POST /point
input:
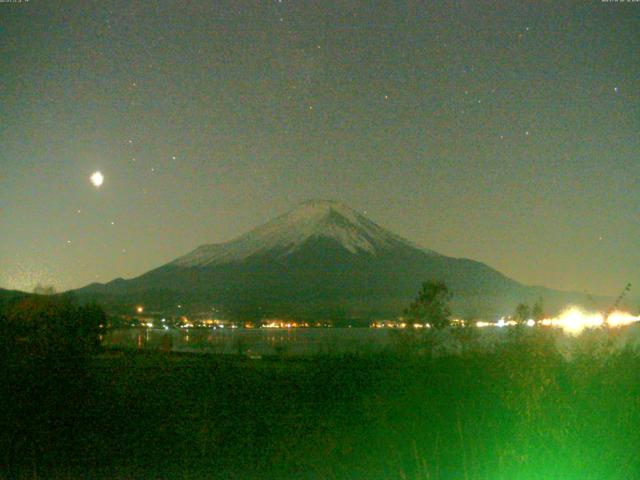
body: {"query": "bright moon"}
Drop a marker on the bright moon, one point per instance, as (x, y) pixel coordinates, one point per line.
(97, 178)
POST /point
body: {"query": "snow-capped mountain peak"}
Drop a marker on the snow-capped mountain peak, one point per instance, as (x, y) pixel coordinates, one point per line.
(284, 234)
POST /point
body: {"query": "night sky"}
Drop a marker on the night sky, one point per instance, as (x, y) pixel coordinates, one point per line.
(507, 132)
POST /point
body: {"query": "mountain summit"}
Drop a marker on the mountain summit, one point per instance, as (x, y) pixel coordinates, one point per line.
(313, 219)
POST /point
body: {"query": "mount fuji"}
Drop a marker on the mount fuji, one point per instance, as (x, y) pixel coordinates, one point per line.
(321, 260)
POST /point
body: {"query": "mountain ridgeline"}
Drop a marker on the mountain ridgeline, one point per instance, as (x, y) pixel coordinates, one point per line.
(322, 260)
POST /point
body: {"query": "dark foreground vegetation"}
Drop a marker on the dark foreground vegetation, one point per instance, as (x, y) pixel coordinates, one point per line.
(520, 412)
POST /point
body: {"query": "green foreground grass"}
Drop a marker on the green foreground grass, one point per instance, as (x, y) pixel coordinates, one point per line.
(520, 412)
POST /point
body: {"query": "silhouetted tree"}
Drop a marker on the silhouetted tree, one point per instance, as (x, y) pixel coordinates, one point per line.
(537, 311)
(52, 327)
(432, 305)
(522, 313)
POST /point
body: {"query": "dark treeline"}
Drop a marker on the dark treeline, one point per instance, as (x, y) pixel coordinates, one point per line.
(46, 343)
(521, 411)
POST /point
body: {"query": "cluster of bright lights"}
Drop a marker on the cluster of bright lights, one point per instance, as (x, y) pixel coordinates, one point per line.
(400, 324)
(502, 322)
(284, 324)
(573, 320)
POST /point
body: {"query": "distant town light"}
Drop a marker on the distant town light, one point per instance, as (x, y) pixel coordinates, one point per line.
(139, 309)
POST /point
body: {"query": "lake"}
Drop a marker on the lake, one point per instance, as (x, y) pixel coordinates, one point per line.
(332, 341)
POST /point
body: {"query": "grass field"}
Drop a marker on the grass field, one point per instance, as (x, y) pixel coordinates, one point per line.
(522, 411)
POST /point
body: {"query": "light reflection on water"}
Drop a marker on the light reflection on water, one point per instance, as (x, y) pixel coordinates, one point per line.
(313, 341)
(262, 342)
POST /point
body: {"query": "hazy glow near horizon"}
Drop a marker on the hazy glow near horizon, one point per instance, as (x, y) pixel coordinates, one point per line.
(574, 320)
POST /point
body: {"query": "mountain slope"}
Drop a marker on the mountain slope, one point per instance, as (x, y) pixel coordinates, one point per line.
(322, 259)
